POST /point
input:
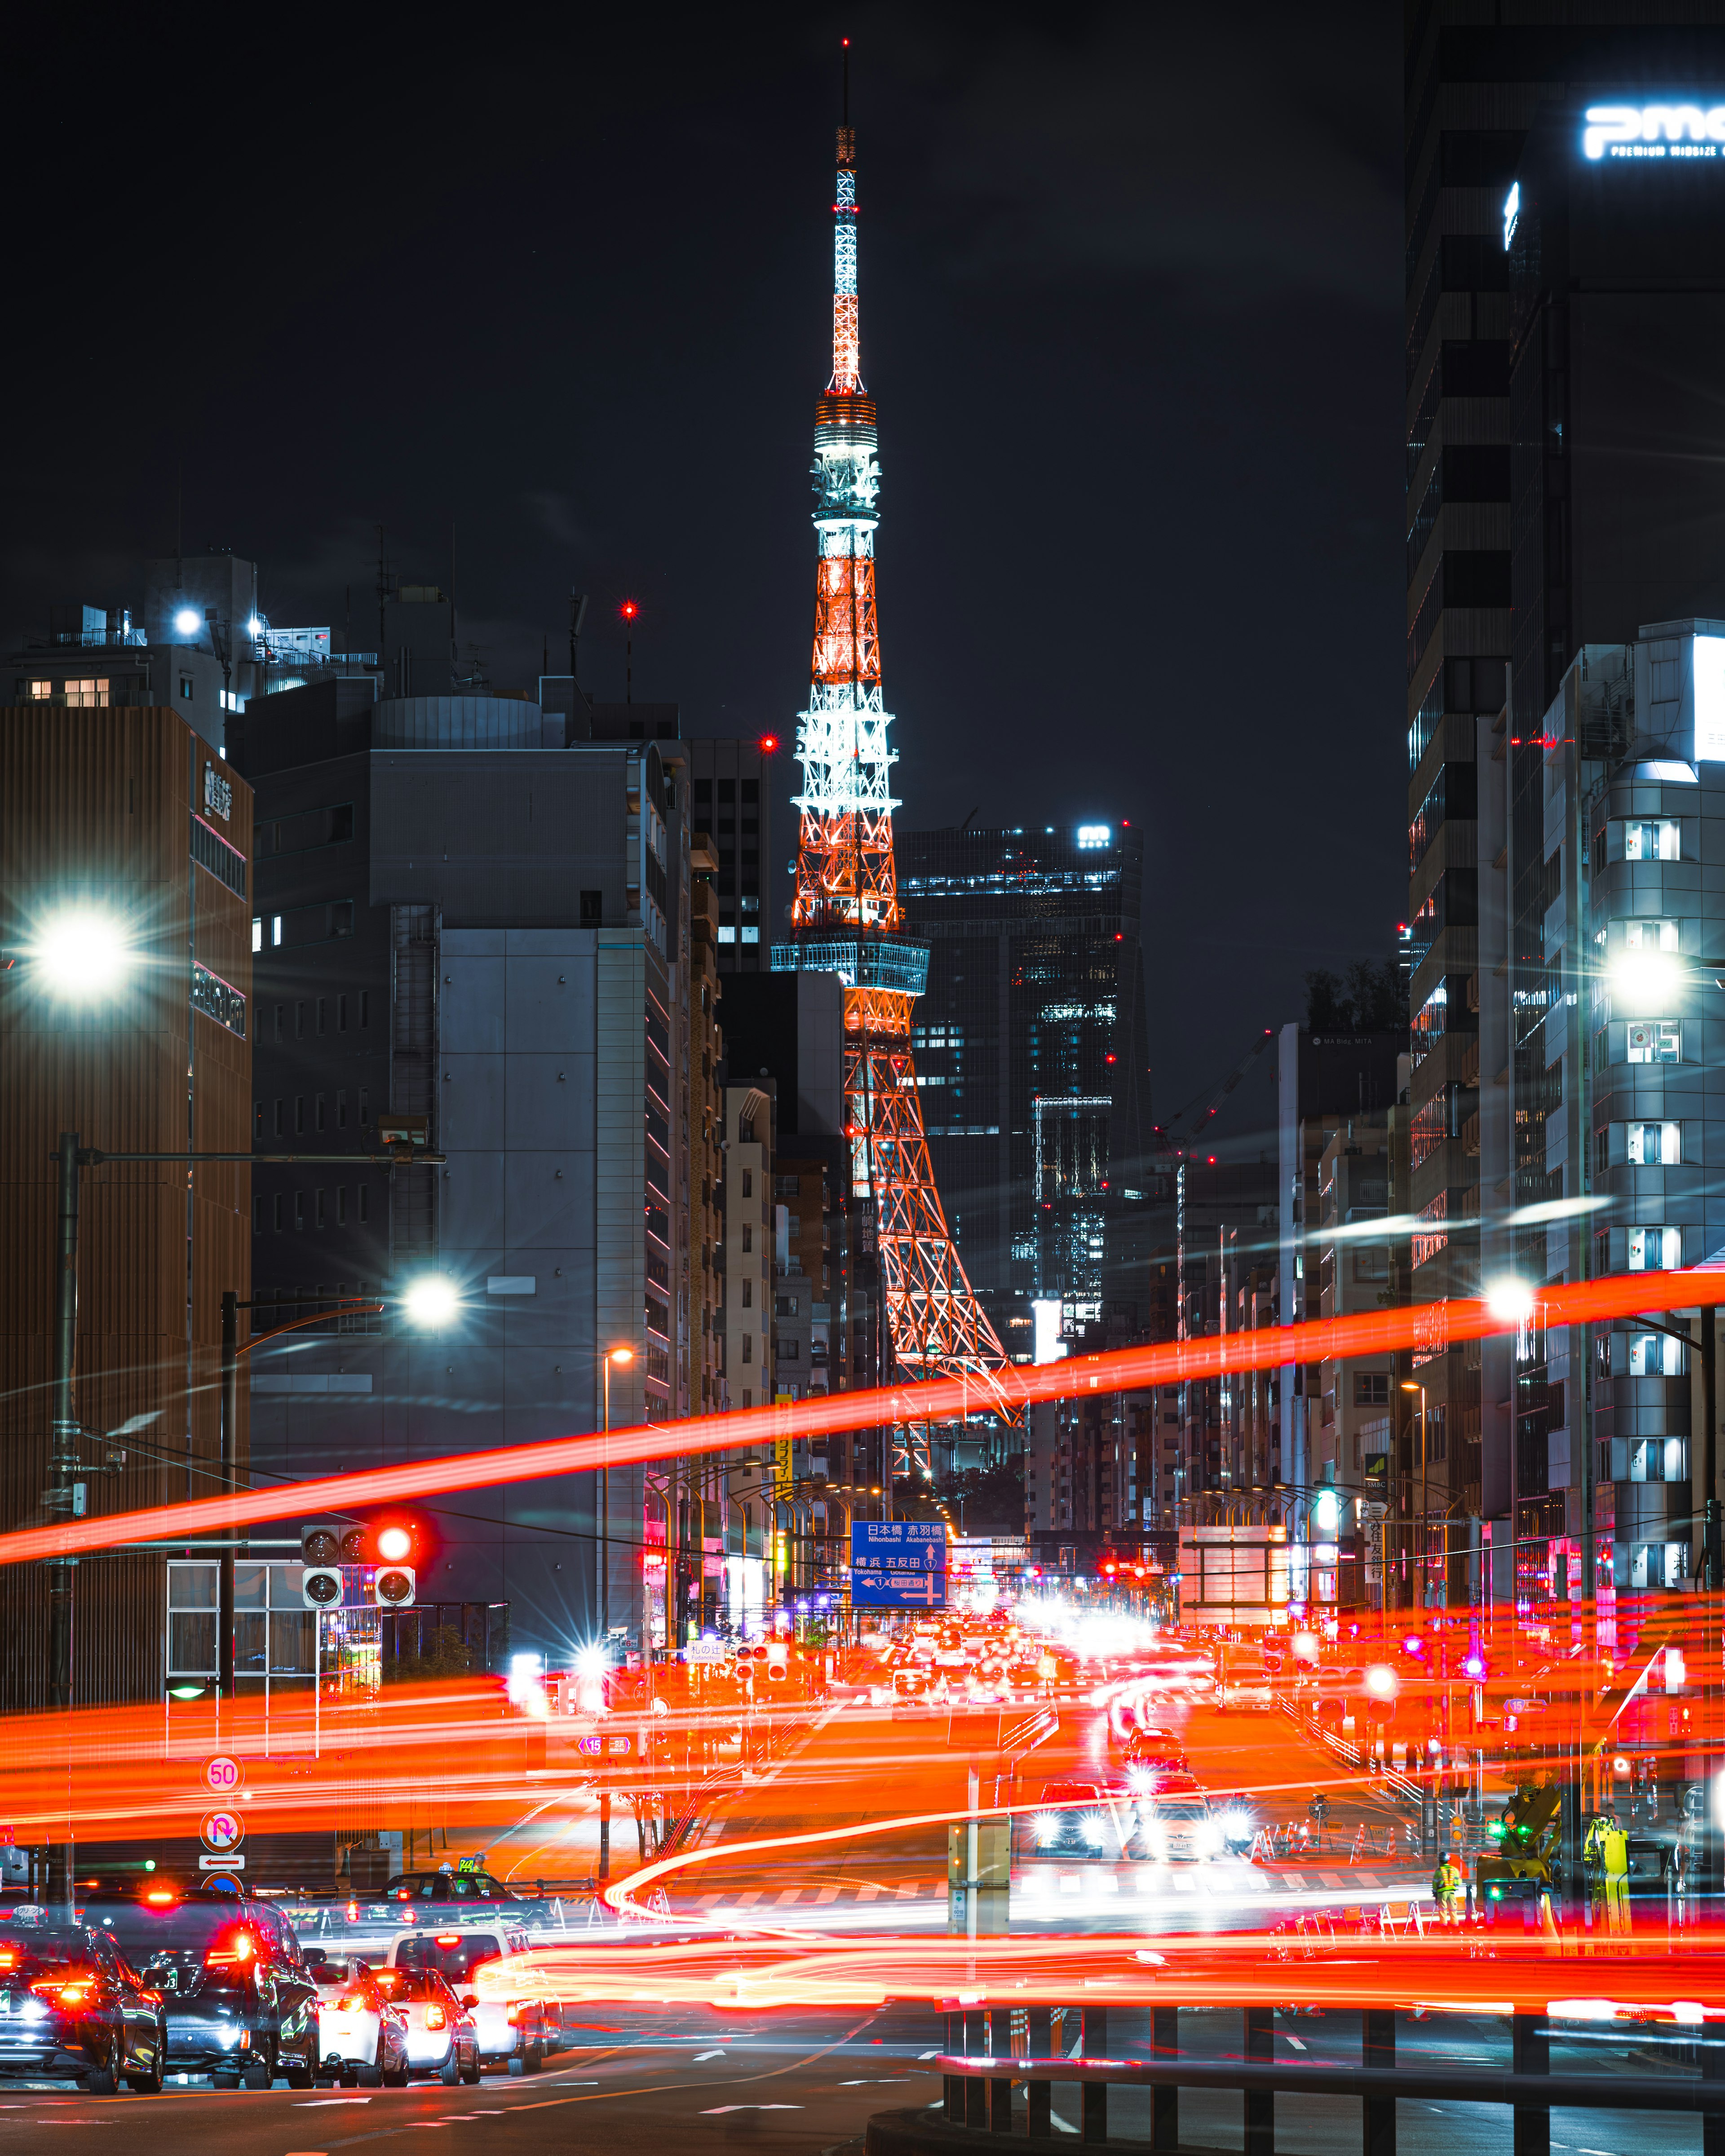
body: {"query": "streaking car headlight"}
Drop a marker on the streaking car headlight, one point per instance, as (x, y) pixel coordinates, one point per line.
(1047, 1827)
(1093, 1829)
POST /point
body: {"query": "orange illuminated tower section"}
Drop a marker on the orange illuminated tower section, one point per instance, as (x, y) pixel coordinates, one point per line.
(846, 915)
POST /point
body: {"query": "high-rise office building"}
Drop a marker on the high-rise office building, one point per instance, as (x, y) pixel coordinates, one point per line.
(126, 1018)
(465, 917)
(731, 799)
(1543, 512)
(1033, 1059)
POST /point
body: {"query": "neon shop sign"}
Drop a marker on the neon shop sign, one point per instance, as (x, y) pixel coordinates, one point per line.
(1653, 131)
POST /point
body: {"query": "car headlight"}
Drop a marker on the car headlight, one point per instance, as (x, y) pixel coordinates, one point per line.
(1237, 1826)
(1209, 1838)
(1093, 1828)
(1046, 1827)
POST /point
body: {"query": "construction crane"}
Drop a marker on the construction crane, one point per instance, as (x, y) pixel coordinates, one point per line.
(1173, 1139)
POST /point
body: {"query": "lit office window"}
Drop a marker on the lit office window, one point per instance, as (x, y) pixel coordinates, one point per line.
(1655, 1040)
(1655, 1145)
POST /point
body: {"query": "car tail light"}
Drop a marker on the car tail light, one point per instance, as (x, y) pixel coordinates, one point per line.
(160, 1900)
(351, 2002)
(353, 1912)
(245, 2040)
(435, 2018)
(69, 1994)
(239, 1952)
(514, 2017)
(449, 1938)
(8, 1956)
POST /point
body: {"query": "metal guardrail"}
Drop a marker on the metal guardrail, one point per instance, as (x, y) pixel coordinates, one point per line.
(1404, 1786)
(978, 2085)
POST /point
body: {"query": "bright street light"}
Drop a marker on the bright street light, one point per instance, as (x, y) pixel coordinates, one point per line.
(1511, 1299)
(1646, 983)
(188, 621)
(432, 1300)
(82, 952)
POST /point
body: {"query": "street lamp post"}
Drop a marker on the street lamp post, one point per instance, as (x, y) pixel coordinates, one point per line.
(1409, 1386)
(64, 1495)
(622, 1357)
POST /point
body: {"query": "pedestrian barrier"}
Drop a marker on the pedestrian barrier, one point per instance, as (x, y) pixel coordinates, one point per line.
(981, 2067)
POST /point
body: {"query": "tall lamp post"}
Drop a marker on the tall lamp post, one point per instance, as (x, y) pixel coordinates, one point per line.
(1409, 1386)
(622, 1357)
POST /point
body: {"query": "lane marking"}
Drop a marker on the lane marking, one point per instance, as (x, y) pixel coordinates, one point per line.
(718, 2109)
(702, 2057)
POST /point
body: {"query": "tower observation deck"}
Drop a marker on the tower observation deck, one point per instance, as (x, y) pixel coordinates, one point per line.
(845, 917)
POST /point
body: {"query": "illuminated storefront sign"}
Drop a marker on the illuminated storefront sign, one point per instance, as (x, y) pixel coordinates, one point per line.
(1652, 130)
(1710, 699)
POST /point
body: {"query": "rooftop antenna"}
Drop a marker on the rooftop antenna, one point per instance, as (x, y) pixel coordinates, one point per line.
(577, 618)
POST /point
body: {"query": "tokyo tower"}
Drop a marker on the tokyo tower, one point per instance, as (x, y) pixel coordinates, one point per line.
(846, 914)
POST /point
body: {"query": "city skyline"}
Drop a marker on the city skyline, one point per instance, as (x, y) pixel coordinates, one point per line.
(1045, 295)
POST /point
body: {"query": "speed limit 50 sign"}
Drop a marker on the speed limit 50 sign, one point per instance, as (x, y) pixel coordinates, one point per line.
(221, 1775)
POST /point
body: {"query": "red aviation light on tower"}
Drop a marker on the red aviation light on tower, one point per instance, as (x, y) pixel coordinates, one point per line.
(769, 744)
(628, 611)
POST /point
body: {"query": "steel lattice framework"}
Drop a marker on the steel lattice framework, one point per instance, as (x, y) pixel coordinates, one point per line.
(846, 911)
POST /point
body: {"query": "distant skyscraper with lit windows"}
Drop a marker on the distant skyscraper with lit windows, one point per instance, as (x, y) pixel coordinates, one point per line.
(1033, 1057)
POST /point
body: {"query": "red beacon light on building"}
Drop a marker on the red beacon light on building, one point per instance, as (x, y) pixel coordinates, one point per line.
(769, 744)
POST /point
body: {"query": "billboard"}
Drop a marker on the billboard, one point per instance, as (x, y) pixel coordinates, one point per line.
(898, 1564)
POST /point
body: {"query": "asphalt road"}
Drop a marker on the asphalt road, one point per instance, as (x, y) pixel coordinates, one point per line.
(805, 2084)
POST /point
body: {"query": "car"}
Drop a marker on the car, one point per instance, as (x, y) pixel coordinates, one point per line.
(442, 2037)
(364, 2030)
(1156, 1748)
(1179, 1829)
(466, 1886)
(1236, 1818)
(240, 2003)
(510, 2029)
(1083, 1819)
(73, 2007)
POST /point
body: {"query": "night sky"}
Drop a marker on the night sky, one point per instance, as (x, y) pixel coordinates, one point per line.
(1131, 286)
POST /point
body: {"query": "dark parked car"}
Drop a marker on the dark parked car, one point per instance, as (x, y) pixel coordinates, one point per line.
(72, 2007)
(240, 2002)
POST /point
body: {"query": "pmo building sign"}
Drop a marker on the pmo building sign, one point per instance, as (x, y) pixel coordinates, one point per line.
(898, 1564)
(1665, 131)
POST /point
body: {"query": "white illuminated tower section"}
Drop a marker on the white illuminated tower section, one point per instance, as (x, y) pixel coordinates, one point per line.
(846, 911)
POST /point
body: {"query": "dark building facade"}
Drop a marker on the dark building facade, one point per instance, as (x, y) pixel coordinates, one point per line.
(1561, 461)
(730, 800)
(1032, 1054)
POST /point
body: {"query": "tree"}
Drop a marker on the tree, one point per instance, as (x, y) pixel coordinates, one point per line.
(1366, 998)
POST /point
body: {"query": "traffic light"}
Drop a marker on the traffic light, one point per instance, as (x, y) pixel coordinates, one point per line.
(320, 1554)
(392, 1549)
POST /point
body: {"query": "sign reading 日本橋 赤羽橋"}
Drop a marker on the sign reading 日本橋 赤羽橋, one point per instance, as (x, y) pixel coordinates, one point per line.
(898, 1564)
(1671, 128)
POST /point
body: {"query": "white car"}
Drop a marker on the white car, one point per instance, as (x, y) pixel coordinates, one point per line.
(441, 2039)
(509, 2029)
(1179, 1829)
(362, 2035)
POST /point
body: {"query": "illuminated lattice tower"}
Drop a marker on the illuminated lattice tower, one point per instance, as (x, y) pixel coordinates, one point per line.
(846, 911)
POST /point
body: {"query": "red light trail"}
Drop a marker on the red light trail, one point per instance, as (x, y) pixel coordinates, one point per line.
(1427, 1326)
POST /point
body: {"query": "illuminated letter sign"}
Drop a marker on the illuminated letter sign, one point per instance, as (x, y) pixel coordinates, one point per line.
(1709, 699)
(1650, 130)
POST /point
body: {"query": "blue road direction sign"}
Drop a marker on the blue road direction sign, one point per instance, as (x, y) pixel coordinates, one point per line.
(898, 1564)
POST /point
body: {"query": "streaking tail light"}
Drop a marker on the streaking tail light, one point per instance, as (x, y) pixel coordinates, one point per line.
(435, 2018)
